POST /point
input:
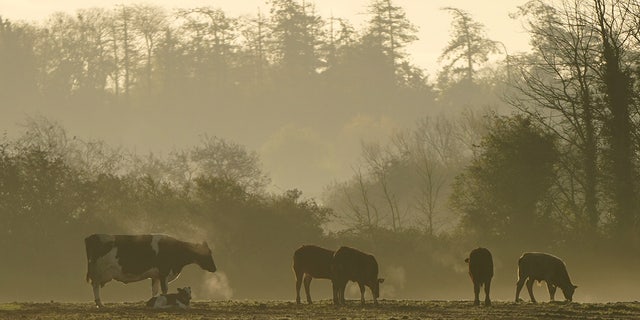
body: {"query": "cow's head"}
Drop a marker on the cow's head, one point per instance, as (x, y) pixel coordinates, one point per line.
(375, 287)
(205, 258)
(184, 295)
(568, 292)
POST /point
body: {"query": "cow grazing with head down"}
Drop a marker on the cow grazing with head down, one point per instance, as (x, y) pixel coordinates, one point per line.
(179, 300)
(310, 262)
(481, 272)
(538, 266)
(129, 258)
(350, 264)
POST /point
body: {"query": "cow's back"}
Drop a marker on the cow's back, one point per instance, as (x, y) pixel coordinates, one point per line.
(138, 253)
(313, 260)
(355, 265)
(125, 257)
(541, 266)
(481, 265)
(97, 245)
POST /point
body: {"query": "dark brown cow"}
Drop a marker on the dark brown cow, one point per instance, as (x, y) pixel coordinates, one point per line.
(310, 262)
(538, 266)
(481, 272)
(350, 264)
(129, 258)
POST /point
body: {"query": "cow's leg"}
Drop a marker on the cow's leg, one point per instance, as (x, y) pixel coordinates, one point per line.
(96, 295)
(362, 289)
(155, 287)
(338, 291)
(307, 287)
(298, 284)
(343, 288)
(334, 286)
(476, 293)
(552, 291)
(530, 289)
(487, 288)
(164, 285)
(519, 285)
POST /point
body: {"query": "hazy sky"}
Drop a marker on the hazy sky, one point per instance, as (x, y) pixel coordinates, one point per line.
(433, 23)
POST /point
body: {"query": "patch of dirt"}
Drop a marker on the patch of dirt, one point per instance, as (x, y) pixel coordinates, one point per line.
(281, 310)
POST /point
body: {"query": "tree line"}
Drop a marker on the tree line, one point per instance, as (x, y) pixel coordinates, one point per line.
(287, 57)
(561, 169)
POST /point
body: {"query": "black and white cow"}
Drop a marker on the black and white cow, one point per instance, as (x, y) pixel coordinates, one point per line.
(130, 258)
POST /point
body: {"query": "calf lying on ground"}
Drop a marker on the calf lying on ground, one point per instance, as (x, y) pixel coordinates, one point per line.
(171, 300)
(543, 267)
(310, 262)
(481, 271)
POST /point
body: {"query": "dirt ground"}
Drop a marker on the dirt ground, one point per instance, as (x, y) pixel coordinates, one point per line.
(387, 309)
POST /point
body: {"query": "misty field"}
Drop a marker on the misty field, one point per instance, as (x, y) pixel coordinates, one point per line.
(388, 309)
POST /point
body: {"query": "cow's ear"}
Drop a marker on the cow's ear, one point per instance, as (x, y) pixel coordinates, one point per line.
(466, 260)
(380, 280)
(575, 287)
(205, 244)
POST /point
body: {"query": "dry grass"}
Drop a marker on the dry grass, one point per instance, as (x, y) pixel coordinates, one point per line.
(388, 309)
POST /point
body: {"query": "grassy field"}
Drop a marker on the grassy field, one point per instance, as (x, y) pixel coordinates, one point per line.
(388, 309)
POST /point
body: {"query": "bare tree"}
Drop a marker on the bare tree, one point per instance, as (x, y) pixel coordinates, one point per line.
(379, 163)
(468, 44)
(556, 88)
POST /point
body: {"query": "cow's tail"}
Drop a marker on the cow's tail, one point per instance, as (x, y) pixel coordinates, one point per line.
(520, 270)
(87, 245)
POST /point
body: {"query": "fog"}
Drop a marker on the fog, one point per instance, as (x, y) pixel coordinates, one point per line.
(261, 132)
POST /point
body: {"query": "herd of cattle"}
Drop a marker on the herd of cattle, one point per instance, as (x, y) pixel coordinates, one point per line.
(129, 258)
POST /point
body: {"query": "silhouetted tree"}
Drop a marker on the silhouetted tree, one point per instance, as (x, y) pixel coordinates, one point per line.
(561, 77)
(149, 22)
(617, 86)
(212, 34)
(499, 194)
(18, 73)
(296, 30)
(389, 30)
(468, 45)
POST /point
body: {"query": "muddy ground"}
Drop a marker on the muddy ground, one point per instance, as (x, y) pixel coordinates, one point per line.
(387, 309)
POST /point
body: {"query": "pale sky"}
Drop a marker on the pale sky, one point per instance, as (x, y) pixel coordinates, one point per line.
(433, 23)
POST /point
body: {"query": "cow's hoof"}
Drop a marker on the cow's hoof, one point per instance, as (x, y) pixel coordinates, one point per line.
(487, 303)
(518, 300)
(476, 302)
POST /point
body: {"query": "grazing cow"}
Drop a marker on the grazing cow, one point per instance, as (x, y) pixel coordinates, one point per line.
(481, 272)
(171, 300)
(350, 264)
(129, 258)
(311, 262)
(538, 266)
